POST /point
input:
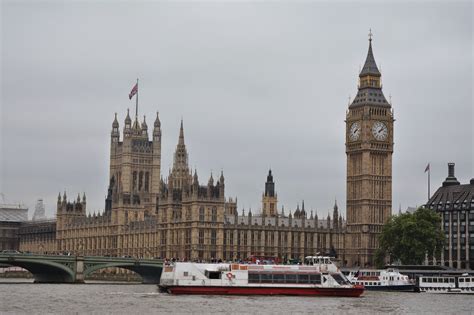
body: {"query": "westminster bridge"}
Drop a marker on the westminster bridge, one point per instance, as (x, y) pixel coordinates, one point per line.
(73, 269)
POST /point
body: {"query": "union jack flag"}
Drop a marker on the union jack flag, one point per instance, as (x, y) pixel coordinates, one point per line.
(133, 91)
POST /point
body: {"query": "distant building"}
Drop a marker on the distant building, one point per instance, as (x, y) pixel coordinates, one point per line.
(455, 203)
(11, 217)
(39, 214)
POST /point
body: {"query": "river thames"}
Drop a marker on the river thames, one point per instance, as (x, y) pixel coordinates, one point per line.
(21, 296)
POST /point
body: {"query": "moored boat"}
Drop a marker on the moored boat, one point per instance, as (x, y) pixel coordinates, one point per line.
(318, 277)
(382, 280)
(446, 284)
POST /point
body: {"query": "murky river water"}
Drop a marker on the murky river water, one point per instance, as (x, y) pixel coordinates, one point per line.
(20, 296)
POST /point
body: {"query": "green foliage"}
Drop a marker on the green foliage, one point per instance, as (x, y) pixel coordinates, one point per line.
(409, 236)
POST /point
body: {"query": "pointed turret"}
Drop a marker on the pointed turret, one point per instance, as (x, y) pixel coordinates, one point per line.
(127, 131)
(136, 126)
(211, 181)
(221, 179)
(316, 220)
(59, 197)
(84, 197)
(115, 130)
(128, 120)
(157, 123)
(335, 214)
(370, 66)
(144, 125)
(180, 173)
(181, 134)
(195, 178)
(157, 129)
(370, 86)
(115, 123)
(270, 185)
(297, 212)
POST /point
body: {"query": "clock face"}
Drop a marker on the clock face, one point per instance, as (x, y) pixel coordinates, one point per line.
(354, 133)
(380, 131)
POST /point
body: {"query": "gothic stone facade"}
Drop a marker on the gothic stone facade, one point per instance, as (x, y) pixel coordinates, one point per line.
(148, 216)
(369, 148)
(185, 219)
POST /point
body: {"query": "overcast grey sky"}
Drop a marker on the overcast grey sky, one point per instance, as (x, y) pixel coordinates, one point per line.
(258, 85)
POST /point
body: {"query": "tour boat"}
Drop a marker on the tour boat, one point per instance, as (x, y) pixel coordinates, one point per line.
(446, 284)
(319, 276)
(381, 280)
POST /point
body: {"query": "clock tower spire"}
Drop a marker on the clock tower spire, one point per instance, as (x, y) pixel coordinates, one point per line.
(369, 148)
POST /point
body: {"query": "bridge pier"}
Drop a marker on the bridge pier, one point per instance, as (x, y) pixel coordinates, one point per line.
(79, 270)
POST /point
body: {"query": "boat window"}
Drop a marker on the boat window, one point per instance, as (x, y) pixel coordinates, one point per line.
(461, 280)
(254, 278)
(290, 278)
(303, 278)
(316, 279)
(435, 280)
(185, 274)
(451, 280)
(279, 278)
(468, 279)
(266, 278)
(213, 274)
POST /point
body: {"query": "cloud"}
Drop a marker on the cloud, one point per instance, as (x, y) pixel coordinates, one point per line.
(259, 85)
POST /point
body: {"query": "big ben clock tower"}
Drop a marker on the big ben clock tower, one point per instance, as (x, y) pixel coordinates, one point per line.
(369, 148)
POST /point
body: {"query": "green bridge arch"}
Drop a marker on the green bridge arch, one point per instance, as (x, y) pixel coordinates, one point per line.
(73, 269)
(150, 272)
(43, 270)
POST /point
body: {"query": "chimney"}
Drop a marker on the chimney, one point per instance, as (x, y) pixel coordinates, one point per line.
(451, 170)
(451, 179)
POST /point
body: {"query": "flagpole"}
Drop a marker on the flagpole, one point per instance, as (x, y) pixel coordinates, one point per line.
(429, 172)
(136, 103)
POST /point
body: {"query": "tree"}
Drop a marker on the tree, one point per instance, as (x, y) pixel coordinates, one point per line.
(408, 237)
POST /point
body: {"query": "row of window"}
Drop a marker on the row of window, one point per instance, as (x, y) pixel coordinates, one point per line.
(284, 278)
(438, 280)
(177, 215)
(466, 279)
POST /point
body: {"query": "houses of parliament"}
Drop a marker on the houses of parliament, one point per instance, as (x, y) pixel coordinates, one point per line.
(187, 216)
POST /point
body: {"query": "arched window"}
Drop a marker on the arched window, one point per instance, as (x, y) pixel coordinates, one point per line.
(134, 181)
(147, 181)
(140, 181)
(214, 214)
(201, 214)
